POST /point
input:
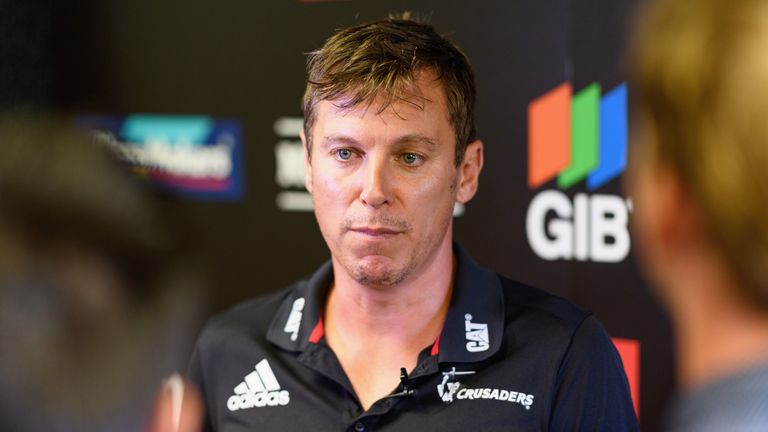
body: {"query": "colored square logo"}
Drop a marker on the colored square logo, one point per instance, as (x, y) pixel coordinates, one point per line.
(572, 137)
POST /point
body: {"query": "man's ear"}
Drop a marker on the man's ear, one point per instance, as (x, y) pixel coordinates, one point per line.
(666, 221)
(307, 161)
(673, 215)
(469, 172)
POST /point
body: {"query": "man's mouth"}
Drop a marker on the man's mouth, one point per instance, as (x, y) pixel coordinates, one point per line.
(376, 232)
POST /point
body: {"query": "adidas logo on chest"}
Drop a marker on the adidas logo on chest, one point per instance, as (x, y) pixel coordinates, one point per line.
(258, 389)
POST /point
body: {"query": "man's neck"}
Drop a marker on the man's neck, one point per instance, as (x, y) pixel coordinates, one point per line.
(375, 331)
(719, 333)
(412, 311)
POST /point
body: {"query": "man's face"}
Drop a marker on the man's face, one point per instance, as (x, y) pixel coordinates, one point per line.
(384, 183)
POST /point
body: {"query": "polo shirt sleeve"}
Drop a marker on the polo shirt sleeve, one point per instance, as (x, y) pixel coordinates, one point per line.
(592, 392)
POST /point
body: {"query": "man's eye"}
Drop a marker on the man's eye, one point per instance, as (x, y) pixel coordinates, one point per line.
(411, 158)
(344, 154)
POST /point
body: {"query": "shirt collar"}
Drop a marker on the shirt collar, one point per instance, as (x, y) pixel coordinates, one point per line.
(473, 328)
(299, 317)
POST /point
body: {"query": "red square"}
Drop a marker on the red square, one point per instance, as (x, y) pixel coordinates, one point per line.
(629, 351)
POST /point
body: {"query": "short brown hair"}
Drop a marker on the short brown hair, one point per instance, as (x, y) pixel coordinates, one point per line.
(382, 58)
(701, 77)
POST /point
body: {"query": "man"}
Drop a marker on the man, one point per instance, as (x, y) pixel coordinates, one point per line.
(700, 187)
(401, 330)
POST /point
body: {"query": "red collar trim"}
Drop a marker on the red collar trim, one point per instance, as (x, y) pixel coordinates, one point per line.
(436, 346)
(317, 332)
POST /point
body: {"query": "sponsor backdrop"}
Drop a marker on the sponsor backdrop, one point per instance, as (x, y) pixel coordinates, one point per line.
(204, 97)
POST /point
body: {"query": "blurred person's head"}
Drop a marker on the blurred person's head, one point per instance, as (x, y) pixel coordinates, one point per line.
(376, 64)
(700, 174)
(93, 305)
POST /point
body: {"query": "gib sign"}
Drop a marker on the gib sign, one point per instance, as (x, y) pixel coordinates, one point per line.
(573, 138)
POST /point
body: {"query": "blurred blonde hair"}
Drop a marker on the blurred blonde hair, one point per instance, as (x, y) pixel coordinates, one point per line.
(700, 72)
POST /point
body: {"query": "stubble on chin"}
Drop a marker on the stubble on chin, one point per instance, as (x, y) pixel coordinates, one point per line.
(367, 276)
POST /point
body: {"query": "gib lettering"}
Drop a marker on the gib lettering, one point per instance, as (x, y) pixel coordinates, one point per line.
(592, 228)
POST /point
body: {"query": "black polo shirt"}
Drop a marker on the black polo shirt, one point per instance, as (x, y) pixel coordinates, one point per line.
(509, 358)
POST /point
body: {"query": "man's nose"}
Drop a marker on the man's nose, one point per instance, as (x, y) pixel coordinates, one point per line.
(376, 183)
